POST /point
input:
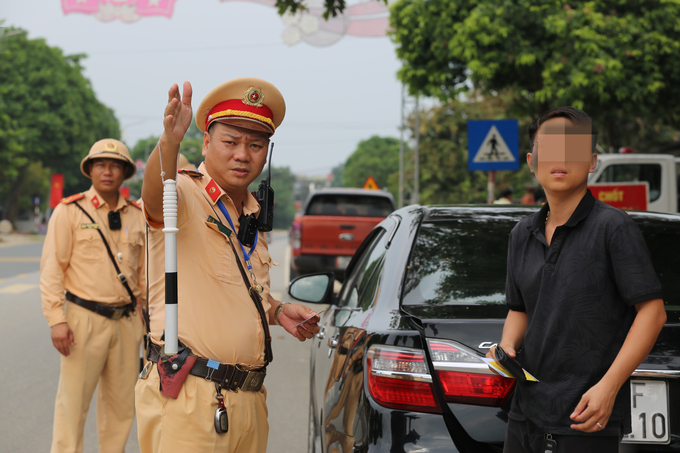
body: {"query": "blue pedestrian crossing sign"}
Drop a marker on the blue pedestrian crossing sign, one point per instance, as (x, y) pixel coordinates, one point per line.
(493, 145)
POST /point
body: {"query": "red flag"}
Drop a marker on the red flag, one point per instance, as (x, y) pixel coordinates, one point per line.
(56, 189)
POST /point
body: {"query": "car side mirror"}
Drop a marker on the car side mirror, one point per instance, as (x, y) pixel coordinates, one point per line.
(313, 288)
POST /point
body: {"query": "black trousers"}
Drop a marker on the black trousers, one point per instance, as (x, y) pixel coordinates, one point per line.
(525, 437)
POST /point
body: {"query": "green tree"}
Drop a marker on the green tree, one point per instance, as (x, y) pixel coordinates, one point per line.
(377, 157)
(615, 60)
(282, 182)
(338, 173)
(48, 114)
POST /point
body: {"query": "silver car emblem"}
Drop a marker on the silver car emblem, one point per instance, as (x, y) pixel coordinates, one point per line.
(346, 237)
(487, 345)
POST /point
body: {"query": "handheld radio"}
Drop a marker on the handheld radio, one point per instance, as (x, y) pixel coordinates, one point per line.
(265, 196)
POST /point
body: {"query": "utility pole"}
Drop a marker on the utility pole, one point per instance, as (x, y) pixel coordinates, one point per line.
(401, 150)
(415, 196)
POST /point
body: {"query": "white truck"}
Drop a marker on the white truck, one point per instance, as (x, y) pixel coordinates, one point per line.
(660, 171)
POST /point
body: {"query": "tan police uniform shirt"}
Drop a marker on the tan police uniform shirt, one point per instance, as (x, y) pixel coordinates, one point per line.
(217, 318)
(75, 259)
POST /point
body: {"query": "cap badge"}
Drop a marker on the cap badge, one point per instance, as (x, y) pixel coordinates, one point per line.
(253, 97)
(111, 147)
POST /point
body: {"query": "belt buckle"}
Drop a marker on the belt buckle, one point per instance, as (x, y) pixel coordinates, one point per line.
(117, 313)
(253, 381)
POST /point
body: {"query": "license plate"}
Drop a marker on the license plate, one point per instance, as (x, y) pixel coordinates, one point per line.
(341, 262)
(648, 412)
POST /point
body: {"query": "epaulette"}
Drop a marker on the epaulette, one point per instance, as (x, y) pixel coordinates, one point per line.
(135, 203)
(72, 198)
(192, 173)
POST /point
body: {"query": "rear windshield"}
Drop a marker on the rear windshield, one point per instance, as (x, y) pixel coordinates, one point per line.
(462, 263)
(350, 205)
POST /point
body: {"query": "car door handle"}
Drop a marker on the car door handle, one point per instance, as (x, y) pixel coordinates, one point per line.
(322, 333)
(333, 342)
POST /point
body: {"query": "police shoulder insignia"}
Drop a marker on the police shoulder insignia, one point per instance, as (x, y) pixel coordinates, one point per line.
(192, 173)
(137, 204)
(72, 198)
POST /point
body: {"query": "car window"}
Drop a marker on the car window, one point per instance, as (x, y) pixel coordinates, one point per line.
(457, 262)
(635, 173)
(371, 288)
(357, 281)
(349, 205)
(662, 241)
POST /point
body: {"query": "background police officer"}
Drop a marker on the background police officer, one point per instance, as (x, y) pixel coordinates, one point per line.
(96, 324)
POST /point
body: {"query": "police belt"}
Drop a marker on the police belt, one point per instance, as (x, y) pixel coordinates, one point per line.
(114, 313)
(231, 377)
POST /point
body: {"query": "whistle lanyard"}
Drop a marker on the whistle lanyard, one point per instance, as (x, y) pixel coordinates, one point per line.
(246, 255)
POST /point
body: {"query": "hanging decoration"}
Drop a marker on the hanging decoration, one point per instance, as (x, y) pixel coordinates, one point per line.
(124, 10)
(369, 19)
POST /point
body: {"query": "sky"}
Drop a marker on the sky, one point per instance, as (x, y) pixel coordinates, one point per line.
(335, 96)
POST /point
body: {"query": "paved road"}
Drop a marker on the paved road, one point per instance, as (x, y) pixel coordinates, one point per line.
(30, 365)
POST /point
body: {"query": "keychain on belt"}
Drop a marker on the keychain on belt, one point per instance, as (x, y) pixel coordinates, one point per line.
(246, 255)
(221, 419)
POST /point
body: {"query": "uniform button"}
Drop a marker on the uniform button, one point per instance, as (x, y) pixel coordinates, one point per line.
(269, 260)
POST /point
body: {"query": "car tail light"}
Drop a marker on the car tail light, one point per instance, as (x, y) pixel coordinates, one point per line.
(296, 236)
(398, 378)
(465, 377)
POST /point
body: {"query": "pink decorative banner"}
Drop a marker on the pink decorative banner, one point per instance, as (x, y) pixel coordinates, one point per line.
(125, 10)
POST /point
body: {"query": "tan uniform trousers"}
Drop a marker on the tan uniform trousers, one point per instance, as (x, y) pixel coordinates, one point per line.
(106, 352)
(187, 424)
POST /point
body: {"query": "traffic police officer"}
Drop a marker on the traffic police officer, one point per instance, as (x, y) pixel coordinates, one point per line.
(218, 319)
(90, 302)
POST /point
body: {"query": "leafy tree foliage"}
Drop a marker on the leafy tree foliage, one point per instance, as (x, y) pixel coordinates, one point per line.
(617, 60)
(282, 182)
(377, 157)
(48, 114)
(338, 173)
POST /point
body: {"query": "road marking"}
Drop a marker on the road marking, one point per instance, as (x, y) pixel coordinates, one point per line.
(276, 295)
(19, 259)
(17, 288)
(22, 276)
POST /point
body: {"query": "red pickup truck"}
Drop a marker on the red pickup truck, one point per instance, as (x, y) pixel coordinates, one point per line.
(331, 226)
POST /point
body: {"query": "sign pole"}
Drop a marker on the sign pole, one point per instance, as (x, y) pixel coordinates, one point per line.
(491, 187)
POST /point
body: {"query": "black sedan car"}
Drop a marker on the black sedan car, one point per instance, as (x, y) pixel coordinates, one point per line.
(397, 365)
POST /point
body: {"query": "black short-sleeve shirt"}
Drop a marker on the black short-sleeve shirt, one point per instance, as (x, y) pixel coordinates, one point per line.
(579, 294)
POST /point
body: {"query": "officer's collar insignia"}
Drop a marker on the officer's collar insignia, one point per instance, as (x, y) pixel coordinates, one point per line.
(95, 201)
(253, 97)
(214, 192)
(110, 147)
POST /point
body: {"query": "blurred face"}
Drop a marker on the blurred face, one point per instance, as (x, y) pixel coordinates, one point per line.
(234, 156)
(107, 175)
(562, 155)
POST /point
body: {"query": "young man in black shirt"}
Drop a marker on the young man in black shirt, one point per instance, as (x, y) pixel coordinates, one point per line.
(585, 303)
